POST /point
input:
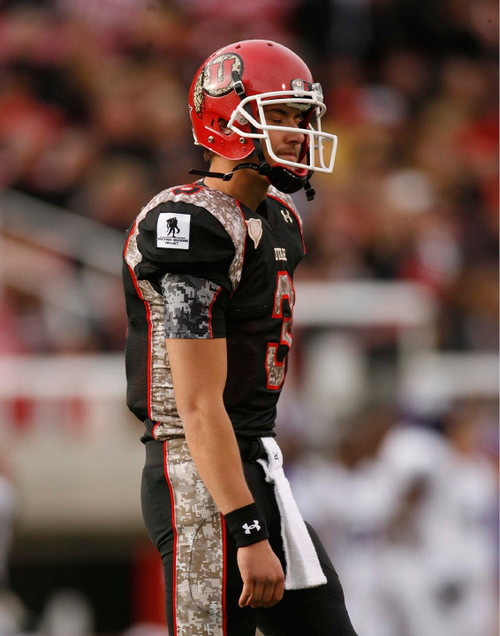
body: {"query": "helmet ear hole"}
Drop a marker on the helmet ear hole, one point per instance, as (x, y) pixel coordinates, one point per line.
(223, 126)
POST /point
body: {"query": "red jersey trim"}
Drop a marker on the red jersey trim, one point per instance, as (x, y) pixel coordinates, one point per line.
(155, 427)
(172, 504)
(210, 312)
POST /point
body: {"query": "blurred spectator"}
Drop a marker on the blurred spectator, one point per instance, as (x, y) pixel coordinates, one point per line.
(409, 516)
(265, 19)
(27, 126)
(475, 492)
(67, 613)
(343, 493)
(111, 22)
(9, 508)
(440, 556)
(115, 187)
(13, 614)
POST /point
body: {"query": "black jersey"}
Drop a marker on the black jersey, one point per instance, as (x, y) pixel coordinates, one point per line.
(198, 264)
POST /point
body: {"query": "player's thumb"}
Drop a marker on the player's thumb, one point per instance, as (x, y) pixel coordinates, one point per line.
(246, 595)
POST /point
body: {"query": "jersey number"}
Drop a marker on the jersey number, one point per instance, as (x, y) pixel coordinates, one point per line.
(276, 370)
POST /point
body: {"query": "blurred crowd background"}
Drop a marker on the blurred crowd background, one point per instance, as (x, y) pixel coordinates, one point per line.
(94, 122)
(93, 119)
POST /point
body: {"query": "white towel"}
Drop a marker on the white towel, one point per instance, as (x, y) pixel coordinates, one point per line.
(303, 568)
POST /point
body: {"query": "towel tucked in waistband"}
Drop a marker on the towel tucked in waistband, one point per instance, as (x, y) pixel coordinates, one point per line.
(303, 568)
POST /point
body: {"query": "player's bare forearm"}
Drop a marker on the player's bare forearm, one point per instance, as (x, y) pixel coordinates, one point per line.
(199, 374)
(213, 446)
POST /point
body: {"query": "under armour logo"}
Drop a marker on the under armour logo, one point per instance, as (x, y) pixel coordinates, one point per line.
(286, 216)
(248, 529)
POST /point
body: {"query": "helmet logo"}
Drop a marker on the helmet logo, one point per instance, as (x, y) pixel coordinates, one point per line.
(217, 76)
(215, 79)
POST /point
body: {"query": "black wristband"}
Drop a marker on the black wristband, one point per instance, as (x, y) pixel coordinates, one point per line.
(247, 525)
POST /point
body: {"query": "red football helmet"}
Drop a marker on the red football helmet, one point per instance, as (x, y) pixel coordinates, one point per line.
(230, 90)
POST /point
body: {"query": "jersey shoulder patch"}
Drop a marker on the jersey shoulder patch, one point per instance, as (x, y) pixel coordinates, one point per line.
(174, 226)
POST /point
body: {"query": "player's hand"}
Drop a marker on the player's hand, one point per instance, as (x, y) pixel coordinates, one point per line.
(262, 574)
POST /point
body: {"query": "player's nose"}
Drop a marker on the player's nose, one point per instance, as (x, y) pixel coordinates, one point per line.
(294, 137)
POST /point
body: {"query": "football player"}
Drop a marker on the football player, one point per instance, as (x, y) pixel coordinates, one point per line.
(208, 269)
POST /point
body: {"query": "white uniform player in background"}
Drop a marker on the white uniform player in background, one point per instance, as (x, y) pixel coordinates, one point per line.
(411, 530)
(8, 512)
(12, 611)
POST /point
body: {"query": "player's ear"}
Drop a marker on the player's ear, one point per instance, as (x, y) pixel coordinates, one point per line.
(208, 155)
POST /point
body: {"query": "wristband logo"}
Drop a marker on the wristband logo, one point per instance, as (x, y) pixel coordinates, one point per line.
(248, 529)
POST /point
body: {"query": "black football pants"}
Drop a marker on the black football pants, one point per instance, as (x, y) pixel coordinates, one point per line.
(203, 583)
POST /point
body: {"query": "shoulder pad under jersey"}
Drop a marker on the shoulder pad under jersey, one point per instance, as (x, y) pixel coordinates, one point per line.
(196, 201)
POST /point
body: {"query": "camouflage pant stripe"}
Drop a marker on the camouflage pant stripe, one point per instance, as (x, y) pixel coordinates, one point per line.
(199, 560)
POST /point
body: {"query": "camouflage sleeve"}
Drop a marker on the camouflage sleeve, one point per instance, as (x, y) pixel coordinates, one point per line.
(194, 307)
